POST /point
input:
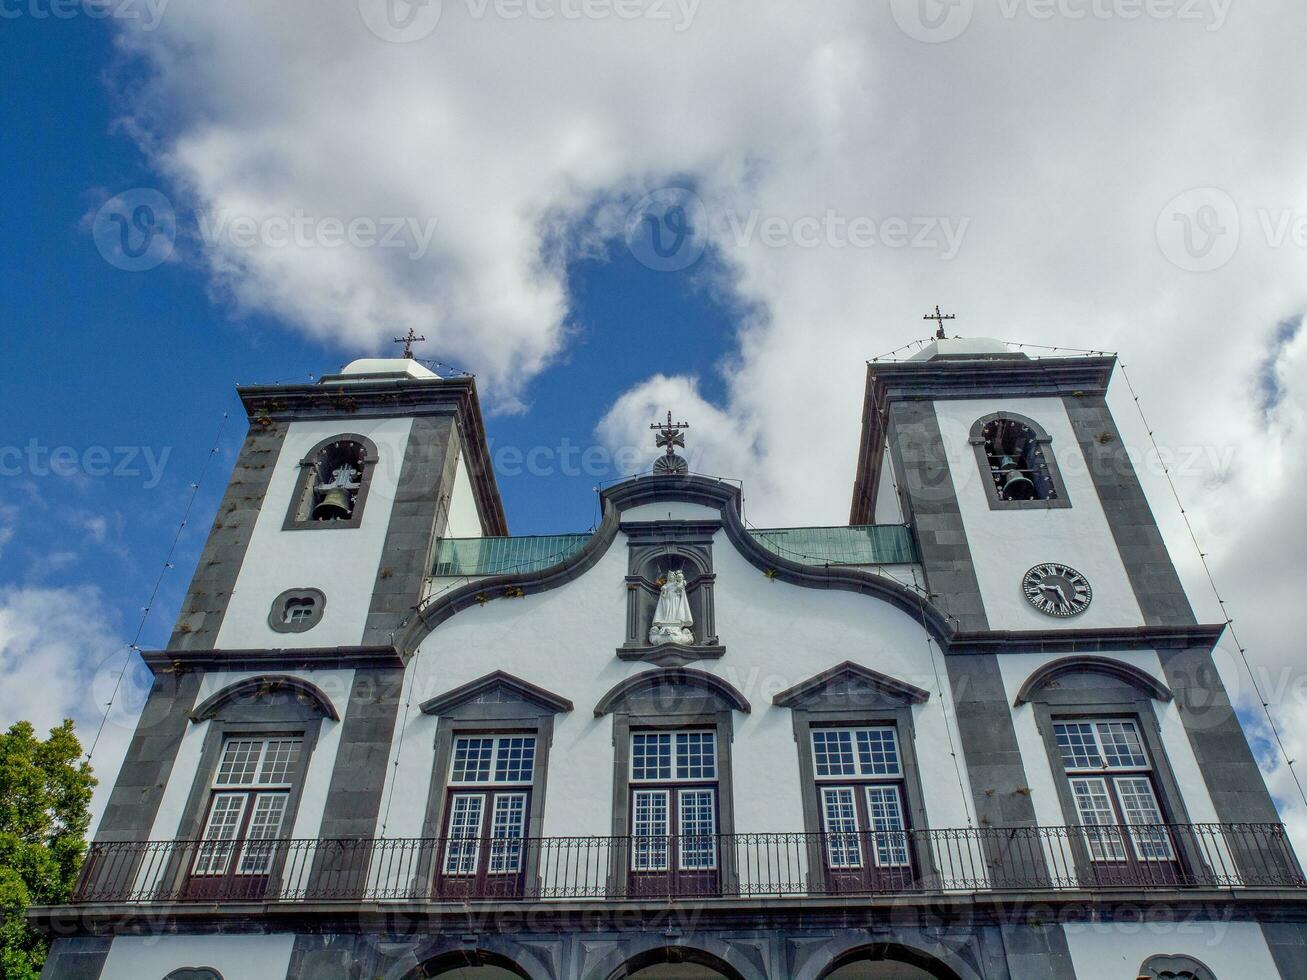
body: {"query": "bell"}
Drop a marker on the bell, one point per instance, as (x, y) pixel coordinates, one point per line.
(334, 506)
(1016, 485)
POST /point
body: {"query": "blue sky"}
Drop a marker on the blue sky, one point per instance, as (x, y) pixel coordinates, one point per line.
(142, 365)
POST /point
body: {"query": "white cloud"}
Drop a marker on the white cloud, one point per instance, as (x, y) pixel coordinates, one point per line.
(60, 657)
(1059, 142)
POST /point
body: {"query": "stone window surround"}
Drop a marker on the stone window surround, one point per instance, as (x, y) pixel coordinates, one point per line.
(295, 719)
(1045, 443)
(701, 707)
(276, 615)
(1052, 707)
(306, 464)
(1169, 965)
(898, 718)
(532, 715)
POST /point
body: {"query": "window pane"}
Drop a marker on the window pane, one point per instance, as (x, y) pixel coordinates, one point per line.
(1078, 745)
(649, 830)
(696, 755)
(224, 820)
(878, 752)
(1121, 745)
(472, 758)
(240, 762)
(265, 826)
(1139, 805)
(651, 755)
(280, 759)
(1095, 809)
(507, 828)
(885, 811)
(832, 752)
(840, 818)
(464, 833)
(698, 840)
(515, 759)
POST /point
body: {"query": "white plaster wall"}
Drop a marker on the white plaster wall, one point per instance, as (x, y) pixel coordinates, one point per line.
(341, 562)
(335, 684)
(1042, 772)
(775, 634)
(1006, 543)
(236, 957)
(1115, 951)
(464, 519)
(671, 510)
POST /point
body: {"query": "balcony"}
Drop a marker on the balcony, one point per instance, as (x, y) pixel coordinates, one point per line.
(873, 544)
(738, 866)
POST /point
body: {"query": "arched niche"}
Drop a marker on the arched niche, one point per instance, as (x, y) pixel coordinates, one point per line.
(656, 549)
(272, 695)
(1013, 447)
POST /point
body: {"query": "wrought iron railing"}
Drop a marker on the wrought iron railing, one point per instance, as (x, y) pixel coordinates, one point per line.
(1046, 859)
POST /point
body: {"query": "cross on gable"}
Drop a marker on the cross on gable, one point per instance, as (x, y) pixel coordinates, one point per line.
(670, 434)
(408, 342)
(939, 318)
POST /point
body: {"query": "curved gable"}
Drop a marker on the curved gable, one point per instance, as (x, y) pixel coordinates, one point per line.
(672, 683)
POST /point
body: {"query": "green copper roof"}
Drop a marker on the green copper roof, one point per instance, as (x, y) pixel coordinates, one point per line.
(879, 544)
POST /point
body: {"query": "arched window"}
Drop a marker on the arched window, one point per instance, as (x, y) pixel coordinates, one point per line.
(1173, 967)
(333, 484)
(1017, 467)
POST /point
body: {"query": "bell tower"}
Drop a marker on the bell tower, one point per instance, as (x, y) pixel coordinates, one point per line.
(324, 536)
(1027, 509)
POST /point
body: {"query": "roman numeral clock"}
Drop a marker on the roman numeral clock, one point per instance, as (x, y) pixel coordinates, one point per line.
(1057, 590)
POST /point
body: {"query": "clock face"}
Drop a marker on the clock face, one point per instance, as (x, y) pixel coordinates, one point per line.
(1057, 590)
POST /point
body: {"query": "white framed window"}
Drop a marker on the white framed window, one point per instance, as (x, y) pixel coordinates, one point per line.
(1111, 781)
(463, 838)
(661, 757)
(507, 832)
(247, 809)
(840, 821)
(885, 814)
(650, 827)
(697, 820)
(497, 759)
(866, 753)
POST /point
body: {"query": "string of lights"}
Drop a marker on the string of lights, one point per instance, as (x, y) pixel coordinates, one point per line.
(134, 646)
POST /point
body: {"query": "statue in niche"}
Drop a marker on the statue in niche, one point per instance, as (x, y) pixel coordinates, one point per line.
(673, 619)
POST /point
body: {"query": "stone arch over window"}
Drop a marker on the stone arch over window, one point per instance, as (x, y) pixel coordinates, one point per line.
(1175, 967)
(1017, 466)
(940, 956)
(701, 952)
(264, 695)
(332, 487)
(194, 973)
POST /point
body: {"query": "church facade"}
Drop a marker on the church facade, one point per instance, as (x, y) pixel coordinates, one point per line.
(975, 734)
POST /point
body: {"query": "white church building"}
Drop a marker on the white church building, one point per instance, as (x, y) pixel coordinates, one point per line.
(975, 734)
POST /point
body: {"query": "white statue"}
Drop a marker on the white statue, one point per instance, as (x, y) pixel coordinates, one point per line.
(672, 619)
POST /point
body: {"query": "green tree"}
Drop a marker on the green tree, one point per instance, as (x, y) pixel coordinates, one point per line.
(45, 799)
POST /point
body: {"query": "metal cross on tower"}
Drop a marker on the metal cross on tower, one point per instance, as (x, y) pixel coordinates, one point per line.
(670, 434)
(939, 318)
(408, 342)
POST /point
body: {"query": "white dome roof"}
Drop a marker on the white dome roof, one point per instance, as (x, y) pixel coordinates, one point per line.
(981, 348)
(372, 367)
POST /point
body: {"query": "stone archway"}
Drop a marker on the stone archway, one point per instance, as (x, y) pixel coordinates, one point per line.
(471, 964)
(890, 961)
(675, 963)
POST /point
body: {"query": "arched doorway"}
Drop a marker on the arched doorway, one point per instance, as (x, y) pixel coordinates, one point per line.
(675, 964)
(887, 961)
(472, 964)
